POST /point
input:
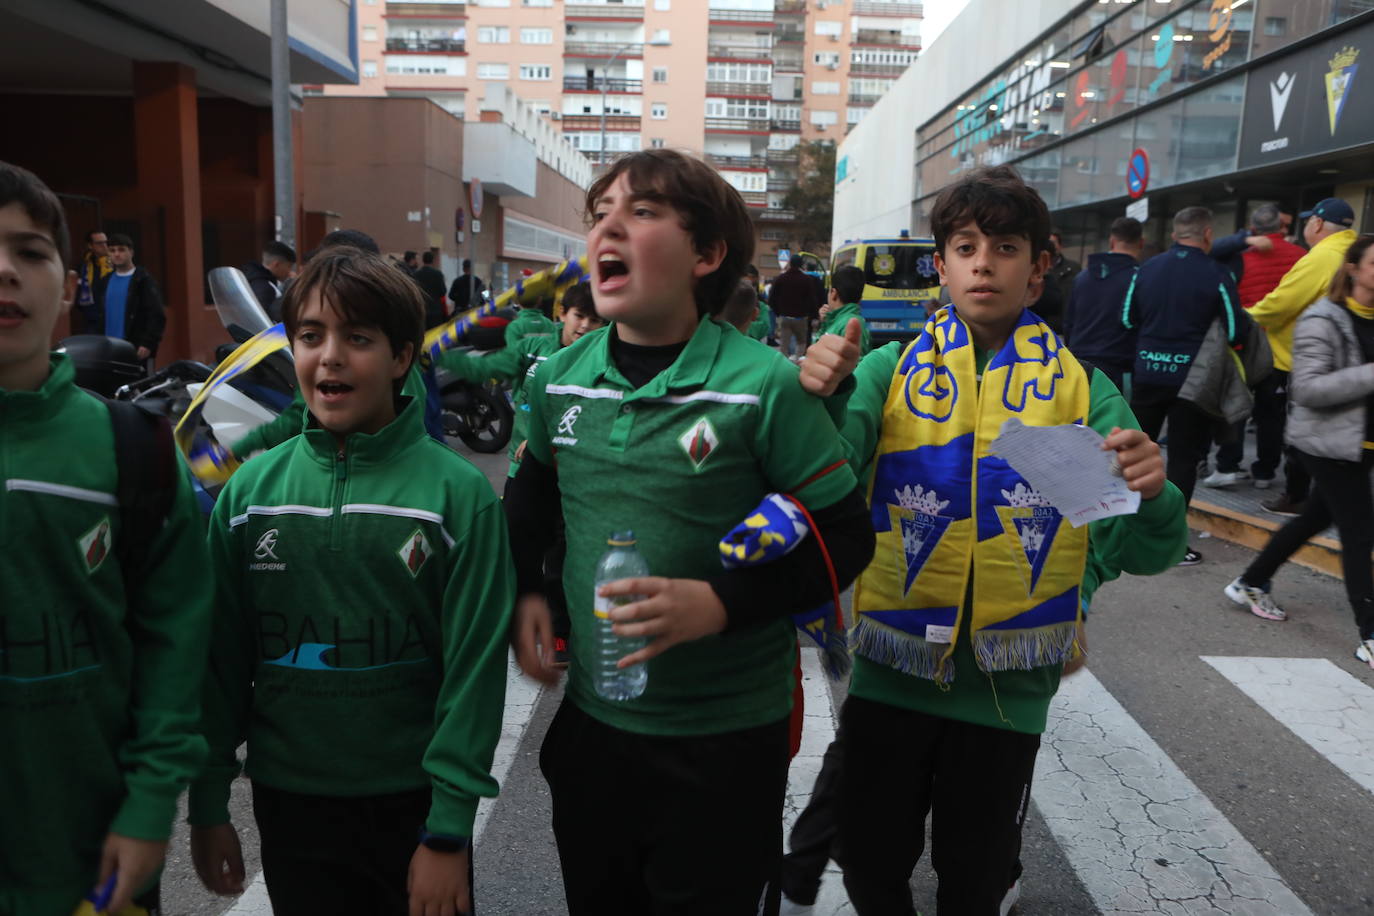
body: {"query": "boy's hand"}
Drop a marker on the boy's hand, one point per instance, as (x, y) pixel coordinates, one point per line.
(137, 861)
(831, 360)
(531, 635)
(1141, 465)
(438, 883)
(671, 611)
(218, 858)
(1080, 658)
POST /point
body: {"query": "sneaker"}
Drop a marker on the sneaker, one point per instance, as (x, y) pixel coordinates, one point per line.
(1263, 483)
(1191, 558)
(1282, 505)
(1225, 478)
(1365, 651)
(1009, 901)
(1258, 600)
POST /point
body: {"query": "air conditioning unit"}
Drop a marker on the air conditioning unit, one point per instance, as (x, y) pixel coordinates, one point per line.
(833, 65)
(834, 37)
(556, 115)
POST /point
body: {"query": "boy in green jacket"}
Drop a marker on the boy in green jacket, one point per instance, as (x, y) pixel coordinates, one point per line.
(520, 358)
(974, 601)
(99, 663)
(364, 591)
(846, 290)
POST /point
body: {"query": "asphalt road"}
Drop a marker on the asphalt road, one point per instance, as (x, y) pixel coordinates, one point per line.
(1207, 762)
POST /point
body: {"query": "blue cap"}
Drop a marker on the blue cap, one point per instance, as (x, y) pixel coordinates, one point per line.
(1333, 210)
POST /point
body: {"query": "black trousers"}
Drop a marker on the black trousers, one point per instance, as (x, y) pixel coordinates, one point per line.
(1270, 414)
(901, 766)
(1190, 432)
(323, 854)
(811, 843)
(1340, 493)
(653, 825)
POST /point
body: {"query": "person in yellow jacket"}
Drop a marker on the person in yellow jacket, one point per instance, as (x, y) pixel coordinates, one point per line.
(1328, 234)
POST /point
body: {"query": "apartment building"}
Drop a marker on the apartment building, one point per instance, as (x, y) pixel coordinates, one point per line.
(741, 82)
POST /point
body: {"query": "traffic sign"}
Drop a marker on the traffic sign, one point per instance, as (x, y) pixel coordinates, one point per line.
(1138, 174)
(475, 197)
(1140, 210)
(784, 255)
(458, 217)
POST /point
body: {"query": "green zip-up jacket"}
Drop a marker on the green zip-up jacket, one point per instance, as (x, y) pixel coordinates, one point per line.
(98, 686)
(1143, 544)
(514, 363)
(834, 323)
(759, 328)
(530, 322)
(359, 642)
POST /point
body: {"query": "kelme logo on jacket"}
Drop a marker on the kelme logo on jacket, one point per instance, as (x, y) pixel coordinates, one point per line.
(415, 552)
(265, 553)
(565, 426)
(699, 442)
(95, 545)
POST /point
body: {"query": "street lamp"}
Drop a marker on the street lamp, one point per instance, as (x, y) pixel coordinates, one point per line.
(605, 78)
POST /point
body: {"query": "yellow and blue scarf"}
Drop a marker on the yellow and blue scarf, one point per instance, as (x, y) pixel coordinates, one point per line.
(956, 526)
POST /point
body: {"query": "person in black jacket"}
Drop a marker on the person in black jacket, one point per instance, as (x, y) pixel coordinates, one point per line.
(431, 281)
(268, 277)
(1092, 322)
(1176, 297)
(464, 284)
(128, 303)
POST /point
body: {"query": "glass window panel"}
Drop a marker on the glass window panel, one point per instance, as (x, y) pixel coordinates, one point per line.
(1157, 133)
(1210, 130)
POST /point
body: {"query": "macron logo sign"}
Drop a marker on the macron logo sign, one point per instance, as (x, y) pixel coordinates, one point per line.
(1279, 91)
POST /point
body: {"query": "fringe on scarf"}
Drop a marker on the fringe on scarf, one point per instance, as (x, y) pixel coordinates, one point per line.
(902, 651)
(1023, 650)
(819, 628)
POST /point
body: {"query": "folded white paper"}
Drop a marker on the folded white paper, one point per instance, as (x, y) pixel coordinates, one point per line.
(1067, 465)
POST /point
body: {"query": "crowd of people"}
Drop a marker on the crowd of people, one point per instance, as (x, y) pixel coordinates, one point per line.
(345, 615)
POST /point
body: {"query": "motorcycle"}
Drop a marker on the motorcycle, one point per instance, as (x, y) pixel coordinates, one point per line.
(481, 415)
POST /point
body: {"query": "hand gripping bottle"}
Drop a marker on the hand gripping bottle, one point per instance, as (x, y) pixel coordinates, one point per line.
(620, 561)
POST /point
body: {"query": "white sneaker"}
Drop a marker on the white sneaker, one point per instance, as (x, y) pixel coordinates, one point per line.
(1263, 483)
(1257, 600)
(1224, 478)
(1009, 901)
(792, 908)
(1365, 651)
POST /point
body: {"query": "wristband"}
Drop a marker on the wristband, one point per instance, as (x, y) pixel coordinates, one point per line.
(439, 842)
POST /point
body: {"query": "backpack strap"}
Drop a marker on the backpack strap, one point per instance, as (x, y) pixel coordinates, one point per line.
(145, 455)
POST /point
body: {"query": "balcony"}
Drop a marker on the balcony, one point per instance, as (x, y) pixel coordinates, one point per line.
(426, 45)
(593, 122)
(905, 10)
(755, 198)
(612, 85)
(781, 184)
(740, 52)
(789, 36)
(433, 9)
(737, 162)
(737, 125)
(886, 39)
(734, 16)
(863, 99)
(603, 49)
(782, 156)
(786, 127)
(790, 7)
(602, 11)
(777, 213)
(752, 90)
(877, 69)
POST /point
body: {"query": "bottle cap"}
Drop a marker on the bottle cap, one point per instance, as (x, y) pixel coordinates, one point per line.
(622, 539)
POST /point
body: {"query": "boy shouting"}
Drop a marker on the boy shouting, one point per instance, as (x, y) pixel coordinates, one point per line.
(671, 424)
(364, 591)
(974, 600)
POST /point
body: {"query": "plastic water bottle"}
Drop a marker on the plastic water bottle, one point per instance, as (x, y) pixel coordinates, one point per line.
(620, 561)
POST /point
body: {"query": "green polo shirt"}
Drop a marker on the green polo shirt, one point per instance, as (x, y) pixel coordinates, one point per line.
(837, 319)
(681, 461)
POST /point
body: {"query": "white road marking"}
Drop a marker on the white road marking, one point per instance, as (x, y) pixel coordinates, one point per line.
(1324, 706)
(818, 730)
(521, 696)
(1140, 835)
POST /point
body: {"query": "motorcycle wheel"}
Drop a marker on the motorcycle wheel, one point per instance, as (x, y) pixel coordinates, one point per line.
(485, 426)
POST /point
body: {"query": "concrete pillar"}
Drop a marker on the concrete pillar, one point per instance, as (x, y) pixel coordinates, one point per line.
(167, 155)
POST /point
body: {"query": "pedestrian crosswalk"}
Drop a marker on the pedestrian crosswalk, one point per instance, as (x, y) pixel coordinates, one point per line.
(1139, 835)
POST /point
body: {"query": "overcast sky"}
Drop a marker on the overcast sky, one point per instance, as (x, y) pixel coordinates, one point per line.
(937, 15)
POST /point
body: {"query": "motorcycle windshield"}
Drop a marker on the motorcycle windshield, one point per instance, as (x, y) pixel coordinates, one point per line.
(239, 310)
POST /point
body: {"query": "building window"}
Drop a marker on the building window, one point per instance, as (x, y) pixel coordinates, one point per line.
(536, 36)
(855, 115)
(369, 33)
(753, 109)
(818, 88)
(663, 5)
(493, 34)
(827, 58)
(773, 235)
(824, 118)
(369, 68)
(1275, 25)
(660, 36)
(833, 29)
(493, 71)
(718, 71)
(541, 106)
(536, 72)
(536, 2)
(660, 74)
(656, 143)
(658, 111)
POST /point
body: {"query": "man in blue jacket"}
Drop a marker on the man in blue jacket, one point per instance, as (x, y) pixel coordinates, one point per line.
(1092, 323)
(1176, 297)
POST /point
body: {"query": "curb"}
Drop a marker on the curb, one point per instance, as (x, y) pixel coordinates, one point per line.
(1322, 554)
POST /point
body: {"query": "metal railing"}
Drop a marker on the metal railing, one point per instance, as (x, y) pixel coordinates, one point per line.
(600, 49)
(593, 122)
(602, 11)
(755, 198)
(594, 84)
(426, 44)
(740, 52)
(737, 162)
(887, 39)
(863, 99)
(789, 36)
(785, 126)
(781, 184)
(777, 213)
(750, 124)
(435, 8)
(740, 15)
(869, 8)
(877, 69)
(762, 89)
(789, 6)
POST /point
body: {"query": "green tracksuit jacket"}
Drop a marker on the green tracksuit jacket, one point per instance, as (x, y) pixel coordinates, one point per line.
(359, 640)
(98, 686)
(837, 319)
(515, 363)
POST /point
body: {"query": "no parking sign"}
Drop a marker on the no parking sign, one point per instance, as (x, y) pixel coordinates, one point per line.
(1137, 174)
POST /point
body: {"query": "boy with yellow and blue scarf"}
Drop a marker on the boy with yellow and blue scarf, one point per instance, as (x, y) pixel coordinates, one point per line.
(974, 601)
